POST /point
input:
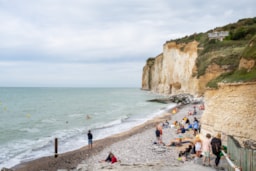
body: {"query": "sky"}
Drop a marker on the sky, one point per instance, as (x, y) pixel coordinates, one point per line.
(98, 43)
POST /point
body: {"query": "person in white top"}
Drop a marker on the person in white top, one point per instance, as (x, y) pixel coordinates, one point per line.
(198, 146)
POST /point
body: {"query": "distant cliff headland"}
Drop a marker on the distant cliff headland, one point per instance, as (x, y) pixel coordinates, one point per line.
(220, 65)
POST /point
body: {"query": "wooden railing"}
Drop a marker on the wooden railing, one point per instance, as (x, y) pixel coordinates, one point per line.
(242, 158)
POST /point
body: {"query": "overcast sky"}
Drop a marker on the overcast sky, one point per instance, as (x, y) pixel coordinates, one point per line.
(98, 43)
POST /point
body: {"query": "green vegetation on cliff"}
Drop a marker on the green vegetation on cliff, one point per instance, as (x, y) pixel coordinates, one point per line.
(240, 43)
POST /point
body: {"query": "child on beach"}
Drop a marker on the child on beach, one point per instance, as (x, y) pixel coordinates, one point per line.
(198, 146)
(206, 148)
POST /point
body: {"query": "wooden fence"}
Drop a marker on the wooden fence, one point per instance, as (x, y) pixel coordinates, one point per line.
(243, 158)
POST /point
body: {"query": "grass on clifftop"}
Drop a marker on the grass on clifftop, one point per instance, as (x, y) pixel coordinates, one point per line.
(241, 42)
(234, 77)
(250, 50)
(220, 53)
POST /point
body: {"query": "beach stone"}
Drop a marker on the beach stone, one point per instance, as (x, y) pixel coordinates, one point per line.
(82, 167)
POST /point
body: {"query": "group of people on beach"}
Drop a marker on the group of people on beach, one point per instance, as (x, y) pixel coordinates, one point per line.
(202, 148)
(198, 147)
(207, 146)
(185, 125)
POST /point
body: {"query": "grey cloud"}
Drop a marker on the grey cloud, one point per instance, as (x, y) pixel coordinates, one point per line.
(104, 31)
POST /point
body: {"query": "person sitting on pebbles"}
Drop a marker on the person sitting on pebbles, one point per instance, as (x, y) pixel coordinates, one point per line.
(179, 142)
(183, 155)
(175, 143)
(181, 130)
(110, 159)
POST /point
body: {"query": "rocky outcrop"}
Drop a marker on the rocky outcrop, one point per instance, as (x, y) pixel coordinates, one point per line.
(246, 64)
(179, 99)
(230, 109)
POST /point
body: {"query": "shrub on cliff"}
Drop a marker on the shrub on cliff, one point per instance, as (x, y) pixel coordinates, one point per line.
(250, 50)
(241, 42)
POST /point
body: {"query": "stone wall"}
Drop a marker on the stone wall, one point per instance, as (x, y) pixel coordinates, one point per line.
(231, 110)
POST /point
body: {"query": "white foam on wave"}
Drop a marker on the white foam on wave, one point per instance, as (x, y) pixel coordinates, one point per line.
(76, 115)
(50, 120)
(24, 150)
(69, 139)
(30, 130)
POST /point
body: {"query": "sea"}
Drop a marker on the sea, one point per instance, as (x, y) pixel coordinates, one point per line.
(31, 118)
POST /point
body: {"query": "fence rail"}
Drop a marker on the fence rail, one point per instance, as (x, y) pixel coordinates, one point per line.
(231, 164)
(243, 158)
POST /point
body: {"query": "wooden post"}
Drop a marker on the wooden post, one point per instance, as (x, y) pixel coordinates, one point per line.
(56, 147)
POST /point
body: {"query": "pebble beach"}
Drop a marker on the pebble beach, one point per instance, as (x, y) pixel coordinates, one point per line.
(139, 152)
(134, 149)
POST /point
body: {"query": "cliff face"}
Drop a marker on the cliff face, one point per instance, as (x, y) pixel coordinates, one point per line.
(173, 71)
(231, 110)
(187, 66)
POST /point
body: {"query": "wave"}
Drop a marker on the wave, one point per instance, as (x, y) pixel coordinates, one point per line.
(30, 130)
(52, 120)
(69, 139)
(76, 115)
(114, 122)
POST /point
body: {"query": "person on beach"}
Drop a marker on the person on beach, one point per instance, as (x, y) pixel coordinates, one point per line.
(195, 126)
(90, 136)
(187, 121)
(206, 149)
(216, 148)
(175, 143)
(110, 159)
(165, 124)
(198, 146)
(186, 152)
(181, 130)
(160, 128)
(194, 113)
(158, 135)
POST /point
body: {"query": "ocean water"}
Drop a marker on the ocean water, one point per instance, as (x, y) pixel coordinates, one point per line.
(31, 118)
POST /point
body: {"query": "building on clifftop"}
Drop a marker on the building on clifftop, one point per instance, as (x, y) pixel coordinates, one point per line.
(218, 35)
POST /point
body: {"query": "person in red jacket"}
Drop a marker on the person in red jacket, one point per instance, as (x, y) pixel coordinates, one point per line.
(111, 158)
